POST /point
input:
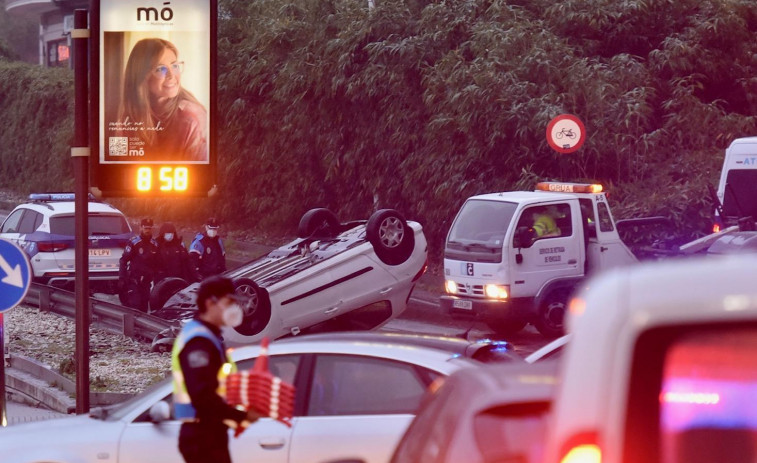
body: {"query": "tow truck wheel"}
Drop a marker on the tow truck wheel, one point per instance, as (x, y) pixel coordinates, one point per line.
(163, 291)
(392, 239)
(551, 319)
(257, 309)
(506, 327)
(319, 221)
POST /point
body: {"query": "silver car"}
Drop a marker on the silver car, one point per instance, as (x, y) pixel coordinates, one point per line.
(356, 394)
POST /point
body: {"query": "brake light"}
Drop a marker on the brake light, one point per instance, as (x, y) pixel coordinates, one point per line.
(51, 246)
(716, 228)
(421, 272)
(587, 453)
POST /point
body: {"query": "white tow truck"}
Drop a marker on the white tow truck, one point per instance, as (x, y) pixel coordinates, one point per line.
(516, 257)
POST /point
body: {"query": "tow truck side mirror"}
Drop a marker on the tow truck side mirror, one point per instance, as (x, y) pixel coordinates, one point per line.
(524, 237)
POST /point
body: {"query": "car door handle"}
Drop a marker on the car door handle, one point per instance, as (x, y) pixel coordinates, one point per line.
(271, 443)
(603, 249)
(385, 290)
(572, 261)
(331, 310)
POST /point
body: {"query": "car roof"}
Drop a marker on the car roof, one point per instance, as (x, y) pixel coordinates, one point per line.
(521, 196)
(484, 350)
(66, 207)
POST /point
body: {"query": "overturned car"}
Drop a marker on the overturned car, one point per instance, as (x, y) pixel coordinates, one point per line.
(353, 275)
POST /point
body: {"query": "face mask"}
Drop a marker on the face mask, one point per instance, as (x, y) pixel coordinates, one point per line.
(168, 236)
(212, 233)
(233, 315)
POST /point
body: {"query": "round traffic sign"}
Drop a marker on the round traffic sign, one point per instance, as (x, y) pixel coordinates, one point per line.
(15, 275)
(566, 133)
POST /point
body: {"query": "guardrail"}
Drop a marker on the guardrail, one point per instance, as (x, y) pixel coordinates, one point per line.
(130, 322)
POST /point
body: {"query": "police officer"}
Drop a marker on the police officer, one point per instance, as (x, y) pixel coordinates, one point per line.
(137, 266)
(200, 365)
(173, 258)
(207, 252)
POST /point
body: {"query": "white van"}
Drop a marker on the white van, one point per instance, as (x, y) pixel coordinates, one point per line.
(661, 367)
(737, 190)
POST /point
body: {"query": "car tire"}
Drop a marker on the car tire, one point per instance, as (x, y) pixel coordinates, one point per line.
(551, 318)
(320, 222)
(257, 312)
(507, 327)
(163, 291)
(392, 238)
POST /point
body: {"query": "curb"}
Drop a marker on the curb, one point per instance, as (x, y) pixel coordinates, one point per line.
(39, 382)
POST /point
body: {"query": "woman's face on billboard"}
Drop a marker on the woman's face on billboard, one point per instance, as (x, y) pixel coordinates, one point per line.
(164, 80)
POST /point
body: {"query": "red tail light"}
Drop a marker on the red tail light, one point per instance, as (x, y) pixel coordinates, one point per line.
(582, 448)
(421, 272)
(716, 228)
(51, 246)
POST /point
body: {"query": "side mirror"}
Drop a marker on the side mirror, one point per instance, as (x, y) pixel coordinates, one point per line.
(160, 412)
(524, 237)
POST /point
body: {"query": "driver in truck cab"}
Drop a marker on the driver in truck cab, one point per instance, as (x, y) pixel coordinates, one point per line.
(544, 224)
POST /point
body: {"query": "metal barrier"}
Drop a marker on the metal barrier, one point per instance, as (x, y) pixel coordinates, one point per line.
(131, 322)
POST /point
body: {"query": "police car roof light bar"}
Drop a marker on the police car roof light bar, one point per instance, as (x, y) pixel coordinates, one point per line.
(52, 197)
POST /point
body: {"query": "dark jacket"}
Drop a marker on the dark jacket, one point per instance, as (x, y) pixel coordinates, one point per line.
(208, 255)
(173, 258)
(139, 258)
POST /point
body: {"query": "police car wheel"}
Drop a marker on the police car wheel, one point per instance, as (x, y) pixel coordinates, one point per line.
(163, 291)
(392, 239)
(257, 309)
(551, 318)
(319, 222)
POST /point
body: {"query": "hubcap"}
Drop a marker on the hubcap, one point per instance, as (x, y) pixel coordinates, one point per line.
(391, 232)
(555, 314)
(252, 298)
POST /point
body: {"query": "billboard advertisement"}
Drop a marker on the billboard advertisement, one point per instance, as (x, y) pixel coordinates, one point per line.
(155, 74)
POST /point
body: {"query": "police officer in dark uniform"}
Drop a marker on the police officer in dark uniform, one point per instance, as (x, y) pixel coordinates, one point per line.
(207, 252)
(200, 365)
(173, 258)
(137, 268)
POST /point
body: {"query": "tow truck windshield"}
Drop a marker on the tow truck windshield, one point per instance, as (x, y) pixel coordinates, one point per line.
(479, 231)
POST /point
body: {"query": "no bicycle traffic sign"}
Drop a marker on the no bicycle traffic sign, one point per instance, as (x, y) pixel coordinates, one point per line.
(566, 133)
(15, 275)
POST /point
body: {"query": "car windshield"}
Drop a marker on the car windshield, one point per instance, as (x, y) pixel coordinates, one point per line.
(482, 222)
(99, 224)
(739, 199)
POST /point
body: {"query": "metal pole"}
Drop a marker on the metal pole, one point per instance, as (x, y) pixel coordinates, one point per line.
(3, 413)
(80, 153)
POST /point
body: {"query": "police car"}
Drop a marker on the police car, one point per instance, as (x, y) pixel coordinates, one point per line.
(356, 274)
(44, 228)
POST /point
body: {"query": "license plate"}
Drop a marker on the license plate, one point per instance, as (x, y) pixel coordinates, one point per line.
(99, 252)
(460, 304)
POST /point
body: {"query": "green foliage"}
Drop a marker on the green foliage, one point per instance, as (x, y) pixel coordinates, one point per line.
(418, 104)
(36, 116)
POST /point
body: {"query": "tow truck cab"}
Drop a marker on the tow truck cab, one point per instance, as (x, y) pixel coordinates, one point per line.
(516, 257)
(661, 366)
(738, 177)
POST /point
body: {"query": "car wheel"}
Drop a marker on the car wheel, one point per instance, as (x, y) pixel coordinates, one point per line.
(257, 310)
(163, 291)
(319, 222)
(507, 327)
(551, 318)
(392, 239)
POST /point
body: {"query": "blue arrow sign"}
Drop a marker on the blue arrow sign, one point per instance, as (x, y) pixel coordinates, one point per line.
(15, 275)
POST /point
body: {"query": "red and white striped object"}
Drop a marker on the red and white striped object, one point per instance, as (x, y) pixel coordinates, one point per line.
(259, 390)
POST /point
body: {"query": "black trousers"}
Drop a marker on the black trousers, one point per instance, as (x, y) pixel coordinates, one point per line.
(199, 443)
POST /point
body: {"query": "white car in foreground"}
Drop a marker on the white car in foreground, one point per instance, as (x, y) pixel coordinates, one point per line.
(360, 273)
(356, 394)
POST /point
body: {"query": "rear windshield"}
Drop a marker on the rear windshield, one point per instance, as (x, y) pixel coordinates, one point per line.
(740, 199)
(99, 224)
(483, 222)
(511, 434)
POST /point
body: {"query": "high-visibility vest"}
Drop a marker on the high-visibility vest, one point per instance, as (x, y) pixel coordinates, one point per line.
(544, 225)
(183, 408)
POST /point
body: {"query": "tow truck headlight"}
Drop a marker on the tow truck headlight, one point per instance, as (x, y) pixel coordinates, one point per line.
(497, 291)
(450, 286)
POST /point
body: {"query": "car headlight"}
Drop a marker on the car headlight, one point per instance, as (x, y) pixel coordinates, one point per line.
(450, 286)
(497, 291)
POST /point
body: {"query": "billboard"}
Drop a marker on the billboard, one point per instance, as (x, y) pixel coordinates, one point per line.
(155, 99)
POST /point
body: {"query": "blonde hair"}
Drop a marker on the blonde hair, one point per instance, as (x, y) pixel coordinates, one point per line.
(135, 98)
